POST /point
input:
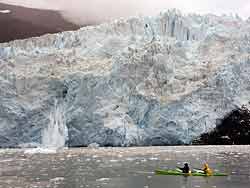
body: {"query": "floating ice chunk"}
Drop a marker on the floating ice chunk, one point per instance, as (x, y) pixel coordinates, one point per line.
(153, 158)
(113, 161)
(57, 179)
(103, 179)
(40, 150)
(7, 160)
(130, 159)
(94, 146)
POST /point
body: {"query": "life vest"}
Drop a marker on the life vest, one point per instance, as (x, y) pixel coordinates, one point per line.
(207, 170)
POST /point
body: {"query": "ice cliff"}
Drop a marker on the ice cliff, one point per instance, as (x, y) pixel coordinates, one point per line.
(142, 81)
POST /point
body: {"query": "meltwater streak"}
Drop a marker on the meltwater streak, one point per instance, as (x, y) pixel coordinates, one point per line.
(56, 133)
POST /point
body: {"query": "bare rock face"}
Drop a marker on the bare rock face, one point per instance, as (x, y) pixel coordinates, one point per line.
(233, 129)
(142, 81)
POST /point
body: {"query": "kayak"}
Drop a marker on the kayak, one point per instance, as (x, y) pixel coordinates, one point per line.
(179, 173)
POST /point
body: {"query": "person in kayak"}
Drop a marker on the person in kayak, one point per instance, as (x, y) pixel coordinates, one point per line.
(207, 170)
(185, 169)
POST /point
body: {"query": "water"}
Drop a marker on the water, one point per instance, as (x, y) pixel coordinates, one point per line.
(55, 135)
(123, 167)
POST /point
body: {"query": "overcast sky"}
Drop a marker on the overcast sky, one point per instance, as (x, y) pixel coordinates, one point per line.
(99, 10)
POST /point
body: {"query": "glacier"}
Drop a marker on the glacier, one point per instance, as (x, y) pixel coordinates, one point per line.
(132, 82)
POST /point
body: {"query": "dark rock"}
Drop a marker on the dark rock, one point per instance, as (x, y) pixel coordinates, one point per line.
(233, 129)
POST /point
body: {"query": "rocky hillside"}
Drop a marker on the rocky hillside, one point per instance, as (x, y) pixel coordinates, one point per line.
(233, 129)
(142, 81)
(21, 23)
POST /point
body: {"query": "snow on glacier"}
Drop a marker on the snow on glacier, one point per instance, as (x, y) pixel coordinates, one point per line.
(141, 81)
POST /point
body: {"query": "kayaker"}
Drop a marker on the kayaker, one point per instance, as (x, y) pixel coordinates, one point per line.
(185, 169)
(207, 170)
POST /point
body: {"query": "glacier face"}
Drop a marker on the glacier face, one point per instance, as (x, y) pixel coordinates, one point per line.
(142, 81)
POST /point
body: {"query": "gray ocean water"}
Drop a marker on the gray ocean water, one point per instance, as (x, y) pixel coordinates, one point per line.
(122, 167)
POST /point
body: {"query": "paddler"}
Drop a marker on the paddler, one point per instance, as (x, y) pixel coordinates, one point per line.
(207, 170)
(185, 169)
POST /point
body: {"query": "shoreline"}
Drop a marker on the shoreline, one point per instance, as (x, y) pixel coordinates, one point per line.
(105, 151)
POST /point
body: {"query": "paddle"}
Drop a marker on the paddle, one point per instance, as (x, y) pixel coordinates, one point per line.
(198, 170)
(179, 168)
(193, 170)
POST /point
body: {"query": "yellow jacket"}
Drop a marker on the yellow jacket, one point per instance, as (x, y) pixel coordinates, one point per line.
(207, 170)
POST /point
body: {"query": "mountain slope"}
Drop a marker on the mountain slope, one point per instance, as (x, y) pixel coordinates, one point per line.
(24, 22)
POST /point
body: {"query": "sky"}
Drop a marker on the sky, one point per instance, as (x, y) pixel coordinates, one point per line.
(96, 11)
